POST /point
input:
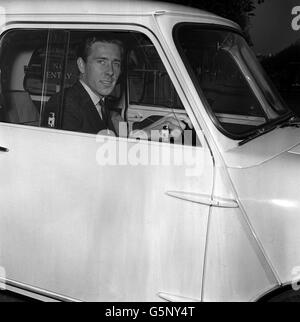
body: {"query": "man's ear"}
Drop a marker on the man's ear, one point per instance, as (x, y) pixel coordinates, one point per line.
(81, 65)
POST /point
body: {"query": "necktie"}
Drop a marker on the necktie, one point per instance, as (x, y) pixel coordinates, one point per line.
(100, 106)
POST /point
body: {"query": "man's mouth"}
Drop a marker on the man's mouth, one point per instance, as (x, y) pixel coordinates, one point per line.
(107, 83)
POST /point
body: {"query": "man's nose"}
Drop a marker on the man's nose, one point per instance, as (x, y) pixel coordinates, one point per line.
(110, 69)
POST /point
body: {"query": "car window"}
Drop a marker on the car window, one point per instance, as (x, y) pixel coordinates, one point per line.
(151, 93)
(228, 76)
(149, 82)
(40, 73)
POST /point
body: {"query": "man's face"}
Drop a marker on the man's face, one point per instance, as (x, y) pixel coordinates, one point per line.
(102, 68)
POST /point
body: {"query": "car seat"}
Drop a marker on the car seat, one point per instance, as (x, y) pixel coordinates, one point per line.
(17, 105)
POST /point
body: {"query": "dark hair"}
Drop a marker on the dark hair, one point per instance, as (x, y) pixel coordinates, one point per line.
(84, 47)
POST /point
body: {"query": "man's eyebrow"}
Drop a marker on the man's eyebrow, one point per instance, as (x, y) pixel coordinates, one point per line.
(101, 57)
(107, 58)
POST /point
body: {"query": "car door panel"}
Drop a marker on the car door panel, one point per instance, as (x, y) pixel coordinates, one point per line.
(91, 231)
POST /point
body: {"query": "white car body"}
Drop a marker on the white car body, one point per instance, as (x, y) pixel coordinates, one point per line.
(71, 229)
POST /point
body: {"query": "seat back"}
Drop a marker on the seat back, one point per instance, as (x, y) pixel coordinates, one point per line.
(20, 109)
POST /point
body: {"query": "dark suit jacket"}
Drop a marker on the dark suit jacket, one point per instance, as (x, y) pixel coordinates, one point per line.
(79, 111)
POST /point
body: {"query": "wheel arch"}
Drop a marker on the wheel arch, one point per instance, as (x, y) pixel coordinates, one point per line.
(287, 292)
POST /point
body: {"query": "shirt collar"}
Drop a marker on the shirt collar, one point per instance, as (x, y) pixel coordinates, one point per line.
(94, 97)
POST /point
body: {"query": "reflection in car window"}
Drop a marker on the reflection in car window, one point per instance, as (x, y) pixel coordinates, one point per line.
(215, 60)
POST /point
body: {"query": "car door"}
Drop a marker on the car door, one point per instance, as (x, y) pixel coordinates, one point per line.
(92, 217)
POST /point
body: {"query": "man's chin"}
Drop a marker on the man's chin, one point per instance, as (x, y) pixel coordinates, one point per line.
(105, 92)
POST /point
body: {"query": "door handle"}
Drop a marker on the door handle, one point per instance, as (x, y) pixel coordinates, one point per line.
(3, 149)
(204, 199)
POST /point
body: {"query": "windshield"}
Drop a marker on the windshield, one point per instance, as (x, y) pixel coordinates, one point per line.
(239, 95)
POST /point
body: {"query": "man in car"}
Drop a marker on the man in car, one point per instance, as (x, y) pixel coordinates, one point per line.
(86, 107)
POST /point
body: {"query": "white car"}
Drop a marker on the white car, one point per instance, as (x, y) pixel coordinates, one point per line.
(213, 215)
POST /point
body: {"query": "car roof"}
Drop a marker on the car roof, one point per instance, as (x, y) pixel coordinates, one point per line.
(124, 7)
(67, 10)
